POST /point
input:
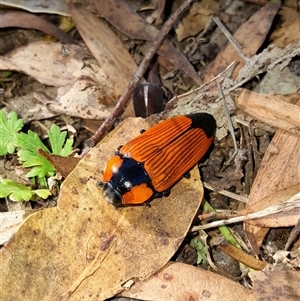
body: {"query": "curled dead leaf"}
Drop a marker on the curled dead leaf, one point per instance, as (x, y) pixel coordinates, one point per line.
(22, 19)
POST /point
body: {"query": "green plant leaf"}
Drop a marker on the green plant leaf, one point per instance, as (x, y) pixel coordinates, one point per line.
(42, 181)
(42, 193)
(40, 171)
(19, 192)
(200, 248)
(67, 149)
(57, 139)
(31, 158)
(9, 127)
(15, 191)
(28, 145)
(31, 141)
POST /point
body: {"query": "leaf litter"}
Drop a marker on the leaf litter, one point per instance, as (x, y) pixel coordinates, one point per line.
(280, 159)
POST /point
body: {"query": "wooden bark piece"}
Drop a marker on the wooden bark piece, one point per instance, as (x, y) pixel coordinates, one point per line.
(279, 169)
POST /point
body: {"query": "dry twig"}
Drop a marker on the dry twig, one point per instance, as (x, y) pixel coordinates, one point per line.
(125, 98)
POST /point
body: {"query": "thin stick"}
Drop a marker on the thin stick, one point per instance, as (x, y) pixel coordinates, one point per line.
(125, 98)
(230, 125)
(291, 204)
(240, 255)
(229, 194)
(231, 38)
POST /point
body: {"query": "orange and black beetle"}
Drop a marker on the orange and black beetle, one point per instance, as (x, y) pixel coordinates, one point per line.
(148, 165)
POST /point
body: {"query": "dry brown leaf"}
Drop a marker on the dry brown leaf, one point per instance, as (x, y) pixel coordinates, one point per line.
(205, 99)
(85, 249)
(27, 20)
(49, 63)
(279, 81)
(91, 125)
(250, 36)
(83, 88)
(200, 13)
(28, 107)
(179, 281)
(39, 6)
(9, 222)
(120, 15)
(271, 110)
(289, 31)
(279, 285)
(115, 61)
(280, 168)
(63, 165)
(281, 219)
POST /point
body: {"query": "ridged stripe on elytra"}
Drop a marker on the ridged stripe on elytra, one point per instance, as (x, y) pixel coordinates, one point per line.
(171, 175)
(167, 167)
(155, 139)
(148, 143)
(178, 152)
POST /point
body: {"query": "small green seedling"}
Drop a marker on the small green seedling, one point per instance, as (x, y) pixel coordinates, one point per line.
(27, 145)
(200, 248)
(30, 142)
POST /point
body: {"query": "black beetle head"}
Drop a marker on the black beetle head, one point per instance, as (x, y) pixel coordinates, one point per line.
(112, 195)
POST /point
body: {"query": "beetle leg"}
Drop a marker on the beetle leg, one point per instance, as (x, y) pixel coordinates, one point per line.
(147, 204)
(164, 193)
